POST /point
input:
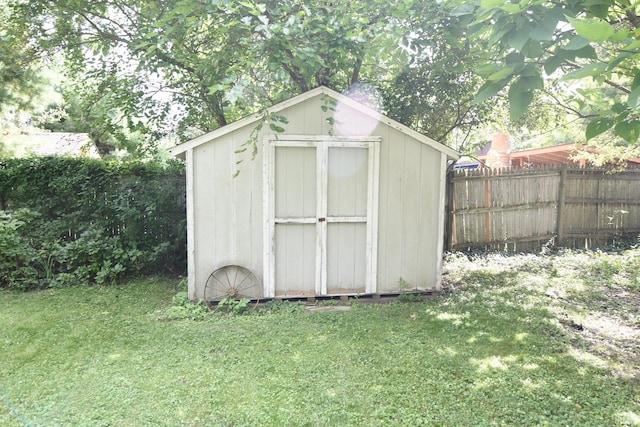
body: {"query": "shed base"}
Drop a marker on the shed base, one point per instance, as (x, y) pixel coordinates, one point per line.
(413, 296)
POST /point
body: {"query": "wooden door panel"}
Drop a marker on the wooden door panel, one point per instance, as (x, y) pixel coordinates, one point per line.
(347, 182)
(295, 246)
(295, 180)
(346, 258)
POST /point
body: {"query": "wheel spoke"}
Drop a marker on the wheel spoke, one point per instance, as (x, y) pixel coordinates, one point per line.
(223, 284)
(233, 282)
(226, 274)
(235, 278)
(249, 283)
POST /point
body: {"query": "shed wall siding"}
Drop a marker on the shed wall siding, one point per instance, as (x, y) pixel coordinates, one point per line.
(228, 212)
(408, 216)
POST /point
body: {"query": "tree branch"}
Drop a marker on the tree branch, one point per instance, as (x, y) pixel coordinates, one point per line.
(610, 82)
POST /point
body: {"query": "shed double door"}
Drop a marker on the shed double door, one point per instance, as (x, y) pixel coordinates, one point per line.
(320, 216)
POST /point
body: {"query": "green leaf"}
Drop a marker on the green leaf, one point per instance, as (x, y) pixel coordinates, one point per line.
(498, 34)
(552, 64)
(598, 8)
(533, 49)
(620, 35)
(487, 69)
(530, 70)
(532, 82)
(276, 128)
(490, 4)
(463, 9)
(489, 89)
(588, 70)
(502, 73)
(634, 97)
(511, 8)
(633, 46)
(545, 28)
(636, 80)
(593, 29)
(628, 130)
(520, 96)
(597, 126)
(514, 58)
(619, 60)
(618, 107)
(576, 42)
(518, 38)
(586, 52)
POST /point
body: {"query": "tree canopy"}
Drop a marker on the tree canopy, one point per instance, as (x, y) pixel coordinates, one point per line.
(19, 79)
(143, 69)
(584, 54)
(185, 66)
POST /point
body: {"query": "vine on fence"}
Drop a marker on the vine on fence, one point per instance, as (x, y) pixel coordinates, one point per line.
(65, 221)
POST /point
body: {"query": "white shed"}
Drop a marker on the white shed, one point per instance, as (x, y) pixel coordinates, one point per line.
(340, 200)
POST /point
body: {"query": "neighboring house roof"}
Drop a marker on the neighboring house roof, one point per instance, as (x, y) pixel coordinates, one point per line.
(180, 149)
(64, 144)
(554, 155)
(466, 162)
(557, 154)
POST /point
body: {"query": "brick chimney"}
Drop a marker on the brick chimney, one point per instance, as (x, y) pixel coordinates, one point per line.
(498, 155)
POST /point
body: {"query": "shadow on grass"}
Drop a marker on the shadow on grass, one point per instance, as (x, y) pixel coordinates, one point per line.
(516, 350)
(578, 318)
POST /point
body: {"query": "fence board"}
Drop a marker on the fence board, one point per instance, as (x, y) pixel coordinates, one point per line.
(526, 208)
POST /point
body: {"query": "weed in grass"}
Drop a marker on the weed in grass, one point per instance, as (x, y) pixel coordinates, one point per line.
(409, 297)
(183, 309)
(281, 307)
(233, 306)
(406, 295)
(404, 285)
(329, 302)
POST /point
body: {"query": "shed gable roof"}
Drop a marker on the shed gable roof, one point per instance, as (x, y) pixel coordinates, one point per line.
(178, 150)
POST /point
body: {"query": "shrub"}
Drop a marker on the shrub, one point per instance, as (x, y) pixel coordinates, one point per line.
(89, 221)
(16, 270)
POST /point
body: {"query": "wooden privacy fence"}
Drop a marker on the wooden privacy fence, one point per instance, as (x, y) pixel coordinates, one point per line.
(527, 208)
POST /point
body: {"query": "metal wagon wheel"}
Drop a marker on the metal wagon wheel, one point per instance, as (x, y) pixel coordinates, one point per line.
(231, 282)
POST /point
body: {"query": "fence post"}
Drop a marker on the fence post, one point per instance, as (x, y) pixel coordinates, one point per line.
(448, 231)
(487, 204)
(561, 206)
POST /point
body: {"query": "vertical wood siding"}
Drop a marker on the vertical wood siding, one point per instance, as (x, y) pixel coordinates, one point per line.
(228, 219)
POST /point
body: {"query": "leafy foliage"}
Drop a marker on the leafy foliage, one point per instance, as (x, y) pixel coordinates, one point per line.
(86, 221)
(234, 306)
(19, 78)
(187, 66)
(184, 309)
(217, 60)
(16, 270)
(590, 48)
(433, 92)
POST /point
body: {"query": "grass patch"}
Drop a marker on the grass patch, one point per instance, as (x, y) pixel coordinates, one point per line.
(501, 347)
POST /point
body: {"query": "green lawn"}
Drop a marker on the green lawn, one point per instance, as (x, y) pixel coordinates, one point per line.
(518, 340)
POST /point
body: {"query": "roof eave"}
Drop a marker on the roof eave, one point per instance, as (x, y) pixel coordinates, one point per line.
(179, 150)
